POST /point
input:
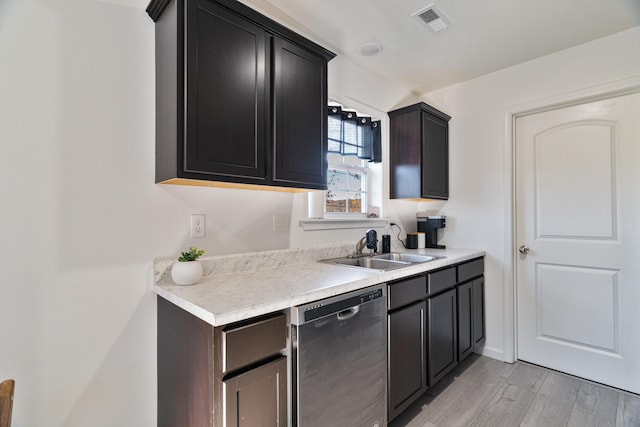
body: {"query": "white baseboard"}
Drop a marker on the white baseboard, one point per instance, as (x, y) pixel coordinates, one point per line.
(494, 353)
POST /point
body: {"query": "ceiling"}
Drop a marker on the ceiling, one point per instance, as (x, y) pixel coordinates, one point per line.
(483, 36)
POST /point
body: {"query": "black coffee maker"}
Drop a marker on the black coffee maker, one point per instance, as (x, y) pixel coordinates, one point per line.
(430, 225)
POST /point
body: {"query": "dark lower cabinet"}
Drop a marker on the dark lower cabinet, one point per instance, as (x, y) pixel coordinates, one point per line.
(257, 397)
(471, 317)
(478, 314)
(441, 335)
(464, 294)
(234, 375)
(407, 357)
(436, 320)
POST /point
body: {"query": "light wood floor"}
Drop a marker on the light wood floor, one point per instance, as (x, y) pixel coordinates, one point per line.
(486, 392)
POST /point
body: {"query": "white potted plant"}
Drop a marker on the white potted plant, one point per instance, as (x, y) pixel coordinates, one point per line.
(187, 270)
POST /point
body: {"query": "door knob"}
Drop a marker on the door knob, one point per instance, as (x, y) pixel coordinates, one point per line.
(524, 249)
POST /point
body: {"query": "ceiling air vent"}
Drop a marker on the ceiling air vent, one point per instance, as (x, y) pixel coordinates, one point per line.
(432, 18)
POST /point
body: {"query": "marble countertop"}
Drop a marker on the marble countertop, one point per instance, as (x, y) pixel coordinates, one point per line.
(238, 287)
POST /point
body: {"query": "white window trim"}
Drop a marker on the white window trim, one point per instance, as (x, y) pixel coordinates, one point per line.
(341, 224)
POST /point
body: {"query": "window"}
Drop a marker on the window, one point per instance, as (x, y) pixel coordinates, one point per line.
(354, 173)
(347, 185)
(354, 144)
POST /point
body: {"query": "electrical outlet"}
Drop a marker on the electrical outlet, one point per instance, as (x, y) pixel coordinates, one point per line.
(280, 223)
(198, 225)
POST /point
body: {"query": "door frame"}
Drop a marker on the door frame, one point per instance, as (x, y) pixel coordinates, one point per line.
(512, 112)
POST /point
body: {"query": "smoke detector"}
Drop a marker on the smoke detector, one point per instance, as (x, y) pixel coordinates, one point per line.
(432, 17)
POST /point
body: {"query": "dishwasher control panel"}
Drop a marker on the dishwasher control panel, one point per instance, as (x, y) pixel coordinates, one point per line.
(337, 304)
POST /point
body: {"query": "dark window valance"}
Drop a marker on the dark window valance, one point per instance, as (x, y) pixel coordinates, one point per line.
(353, 135)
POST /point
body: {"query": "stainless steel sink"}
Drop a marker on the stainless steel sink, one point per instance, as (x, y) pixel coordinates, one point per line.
(410, 258)
(367, 262)
(381, 262)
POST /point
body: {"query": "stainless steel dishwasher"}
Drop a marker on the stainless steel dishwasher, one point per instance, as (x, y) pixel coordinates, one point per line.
(339, 360)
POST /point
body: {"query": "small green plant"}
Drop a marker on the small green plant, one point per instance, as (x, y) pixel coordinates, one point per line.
(192, 255)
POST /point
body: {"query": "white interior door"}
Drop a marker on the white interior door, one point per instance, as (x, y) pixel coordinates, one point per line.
(578, 214)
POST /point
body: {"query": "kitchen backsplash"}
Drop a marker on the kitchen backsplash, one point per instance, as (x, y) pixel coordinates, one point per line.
(235, 263)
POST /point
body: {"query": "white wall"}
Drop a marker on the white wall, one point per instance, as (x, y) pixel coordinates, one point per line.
(477, 209)
(81, 218)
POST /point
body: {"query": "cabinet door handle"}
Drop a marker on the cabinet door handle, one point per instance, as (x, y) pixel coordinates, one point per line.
(524, 249)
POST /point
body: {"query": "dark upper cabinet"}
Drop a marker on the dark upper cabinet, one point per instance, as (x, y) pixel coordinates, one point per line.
(300, 116)
(239, 98)
(226, 108)
(419, 153)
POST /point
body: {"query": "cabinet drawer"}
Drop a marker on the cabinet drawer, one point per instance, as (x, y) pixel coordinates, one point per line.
(407, 291)
(441, 280)
(244, 344)
(470, 269)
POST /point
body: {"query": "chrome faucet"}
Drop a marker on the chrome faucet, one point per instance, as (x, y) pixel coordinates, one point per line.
(360, 245)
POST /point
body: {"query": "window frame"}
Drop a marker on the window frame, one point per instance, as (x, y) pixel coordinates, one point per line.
(316, 219)
(364, 171)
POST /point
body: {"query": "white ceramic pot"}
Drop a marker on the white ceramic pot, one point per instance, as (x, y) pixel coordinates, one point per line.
(186, 273)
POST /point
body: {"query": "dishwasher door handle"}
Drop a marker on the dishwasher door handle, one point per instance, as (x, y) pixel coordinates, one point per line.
(348, 313)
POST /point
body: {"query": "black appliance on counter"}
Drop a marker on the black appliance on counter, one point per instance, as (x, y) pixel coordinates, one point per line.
(430, 225)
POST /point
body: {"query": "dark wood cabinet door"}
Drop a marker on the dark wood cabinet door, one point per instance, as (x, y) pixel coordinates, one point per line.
(441, 335)
(478, 314)
(407, 363)
(435, 157)
(405, 150)
(419, 153)
(464, 294)
(300, 117)
(226, 91)
(257, 397)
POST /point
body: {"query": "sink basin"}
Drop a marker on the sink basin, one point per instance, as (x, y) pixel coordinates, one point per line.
(410, 258)
(382, 262)
(367, 262)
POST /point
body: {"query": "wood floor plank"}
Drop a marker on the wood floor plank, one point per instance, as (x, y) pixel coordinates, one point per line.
(595, 406)
(486, 392)
(554, 402)
(450, 389)
(420, 412)
(475, 388)
(628, 411)
(512, 401)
